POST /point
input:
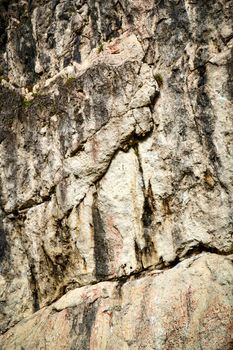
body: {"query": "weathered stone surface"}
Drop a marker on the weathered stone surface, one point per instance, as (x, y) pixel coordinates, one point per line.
(116, 159)
(187, 307)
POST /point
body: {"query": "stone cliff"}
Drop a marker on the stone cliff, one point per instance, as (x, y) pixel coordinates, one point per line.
(116, 182)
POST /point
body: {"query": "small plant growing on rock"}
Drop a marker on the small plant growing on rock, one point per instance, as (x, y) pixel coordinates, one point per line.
(35, 94)
(158, 77)
(27, 103)
(69, 82)
(100, 47)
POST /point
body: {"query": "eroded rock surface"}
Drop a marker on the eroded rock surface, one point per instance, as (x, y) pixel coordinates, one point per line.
(187, 307)
(116, 162)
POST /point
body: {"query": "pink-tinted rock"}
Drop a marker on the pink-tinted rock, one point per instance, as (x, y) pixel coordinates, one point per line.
(189, 306)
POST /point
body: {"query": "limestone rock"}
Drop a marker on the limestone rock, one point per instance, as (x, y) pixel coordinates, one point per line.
(116, 162)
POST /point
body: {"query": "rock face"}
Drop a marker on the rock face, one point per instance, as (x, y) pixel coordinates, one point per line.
(187, 307)
(116, 182)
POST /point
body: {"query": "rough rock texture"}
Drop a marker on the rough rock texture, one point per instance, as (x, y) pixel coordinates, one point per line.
(116, 152)
(195, 312)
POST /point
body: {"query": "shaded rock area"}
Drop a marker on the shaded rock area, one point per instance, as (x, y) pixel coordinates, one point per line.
(116, 153)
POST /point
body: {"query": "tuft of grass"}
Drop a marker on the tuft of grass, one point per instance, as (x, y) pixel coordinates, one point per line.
(35, 94)
(69, 82)
(158, 77)
(100, 47)
(27, 103)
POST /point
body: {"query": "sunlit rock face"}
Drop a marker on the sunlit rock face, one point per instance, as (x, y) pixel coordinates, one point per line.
(116, 153)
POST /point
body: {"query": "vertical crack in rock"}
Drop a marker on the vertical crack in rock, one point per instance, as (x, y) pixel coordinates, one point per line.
(76, 53)
(3, 241)
(147, 220)
(229, 83)
(147, 216)
(138, 254)
(34, 287)
(148, 208)
(101, 250)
